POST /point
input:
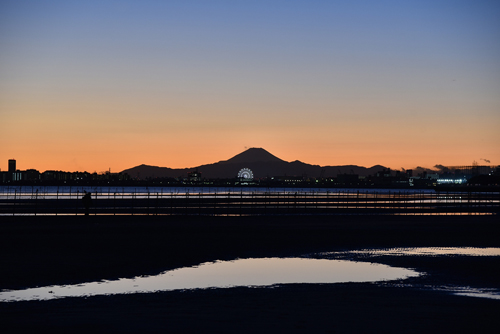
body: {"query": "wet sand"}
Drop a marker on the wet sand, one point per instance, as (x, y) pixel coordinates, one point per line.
(38, 251)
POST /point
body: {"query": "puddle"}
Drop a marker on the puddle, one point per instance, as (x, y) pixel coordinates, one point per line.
(331, 267)
(224, 274)
(478, 293)
(491, 293)
(428, 251)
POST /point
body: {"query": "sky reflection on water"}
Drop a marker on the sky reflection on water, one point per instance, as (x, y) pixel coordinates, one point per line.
(332, 267)
(223, 274)
(428, 251)
(372, 254)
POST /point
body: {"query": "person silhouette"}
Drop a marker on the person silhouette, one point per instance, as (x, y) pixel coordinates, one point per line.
(87, 201)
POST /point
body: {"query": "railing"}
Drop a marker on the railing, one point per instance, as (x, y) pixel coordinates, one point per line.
(230, 201)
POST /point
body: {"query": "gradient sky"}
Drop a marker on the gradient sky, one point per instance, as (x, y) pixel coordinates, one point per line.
(92, 85)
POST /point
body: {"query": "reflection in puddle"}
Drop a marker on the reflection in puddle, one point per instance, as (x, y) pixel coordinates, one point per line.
(479, 293)
(331, 268)
(430, 251)
(221, 274)
(491, 293)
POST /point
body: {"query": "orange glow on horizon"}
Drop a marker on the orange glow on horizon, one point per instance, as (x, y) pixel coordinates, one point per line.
(98, 140)
(63, 157)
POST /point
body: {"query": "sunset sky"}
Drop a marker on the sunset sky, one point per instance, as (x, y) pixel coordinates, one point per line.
(92, 85)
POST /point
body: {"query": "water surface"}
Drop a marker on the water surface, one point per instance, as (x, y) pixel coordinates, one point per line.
(224, 274)
(428, 251)
(444, 252)
(330, 267)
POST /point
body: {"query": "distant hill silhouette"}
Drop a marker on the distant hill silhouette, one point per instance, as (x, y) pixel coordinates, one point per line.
(261, 162)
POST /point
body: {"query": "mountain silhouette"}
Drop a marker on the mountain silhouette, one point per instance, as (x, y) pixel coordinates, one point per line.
(254, 154)
(261, 162)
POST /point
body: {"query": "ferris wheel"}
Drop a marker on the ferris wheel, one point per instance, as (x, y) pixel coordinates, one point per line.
(245, 173)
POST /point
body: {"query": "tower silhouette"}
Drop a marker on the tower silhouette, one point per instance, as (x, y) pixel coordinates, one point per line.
(12, 165)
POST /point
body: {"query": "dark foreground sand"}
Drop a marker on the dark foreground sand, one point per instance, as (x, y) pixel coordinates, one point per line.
(37, 251)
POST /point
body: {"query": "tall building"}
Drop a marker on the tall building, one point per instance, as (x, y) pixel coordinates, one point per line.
(12, 165)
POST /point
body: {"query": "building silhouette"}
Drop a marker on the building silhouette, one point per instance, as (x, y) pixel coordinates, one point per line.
(12, 165)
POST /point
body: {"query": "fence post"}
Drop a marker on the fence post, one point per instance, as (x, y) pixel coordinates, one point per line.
(36, 201)
(15, 198)
(357, 199)
(199, 201)
(156, 209)
(215, 200)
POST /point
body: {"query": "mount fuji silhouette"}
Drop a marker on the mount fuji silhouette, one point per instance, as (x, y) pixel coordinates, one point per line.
(254, 155)
(261, 162)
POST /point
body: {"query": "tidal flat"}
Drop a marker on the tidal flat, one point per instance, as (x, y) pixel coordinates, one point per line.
(44, 251)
